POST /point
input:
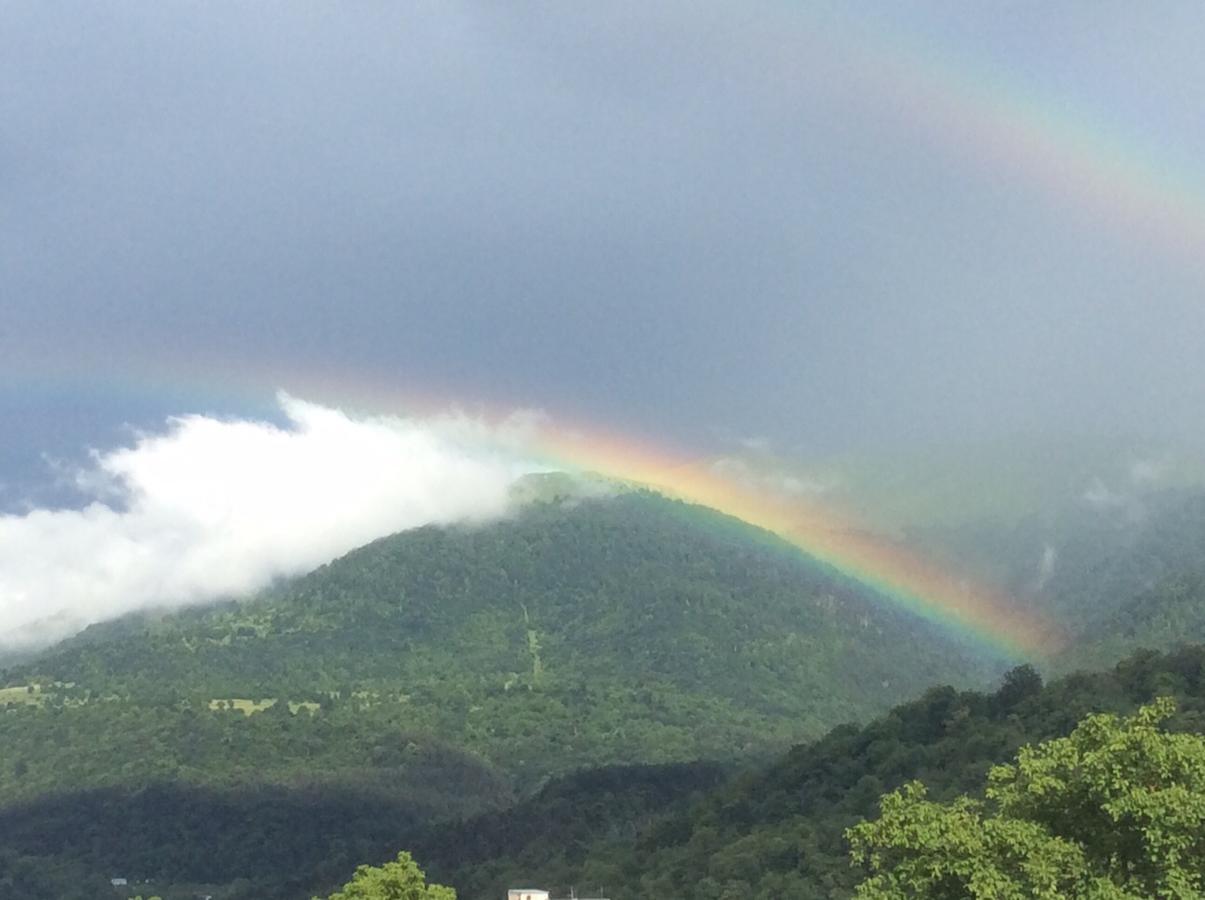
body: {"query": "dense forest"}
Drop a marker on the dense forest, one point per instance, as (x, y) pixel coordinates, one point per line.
(591, 694)
(686, 830)
(633, 630)
(778, 831)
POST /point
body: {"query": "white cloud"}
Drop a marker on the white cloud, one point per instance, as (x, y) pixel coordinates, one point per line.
(209, 508)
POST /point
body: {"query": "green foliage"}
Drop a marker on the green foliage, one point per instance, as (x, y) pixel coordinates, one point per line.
(433, 676)
(1114, 810)
(627, 630)
(401, 879)
(924, 849)
(436, 690)
(777, 832)
(552, 832)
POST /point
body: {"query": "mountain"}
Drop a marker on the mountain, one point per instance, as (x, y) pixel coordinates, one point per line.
(584, 633)
(438, 674)
(1169, 614)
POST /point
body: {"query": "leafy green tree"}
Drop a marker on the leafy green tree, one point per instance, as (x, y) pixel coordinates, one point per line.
(1114, 810)
(401, 879)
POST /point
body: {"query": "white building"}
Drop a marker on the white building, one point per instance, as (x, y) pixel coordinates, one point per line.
(526, 894)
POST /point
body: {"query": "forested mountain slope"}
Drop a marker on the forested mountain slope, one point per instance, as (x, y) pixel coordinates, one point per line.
(777, 831)
(439, 670)
(629, 629)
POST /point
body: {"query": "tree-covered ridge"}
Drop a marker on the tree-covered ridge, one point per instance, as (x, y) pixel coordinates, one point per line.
(778, 831)
(554, 830)
(631, 629)
(435, 673)
(286, 841)
(644, 832)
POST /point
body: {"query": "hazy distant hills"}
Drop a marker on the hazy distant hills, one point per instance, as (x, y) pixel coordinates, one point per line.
(1169, 614)
(1082, 561)
(1009, 482)
(1120, 570)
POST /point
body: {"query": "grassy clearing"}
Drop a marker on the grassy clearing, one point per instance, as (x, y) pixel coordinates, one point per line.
(246, 707)
(22, 694)
(250, 707)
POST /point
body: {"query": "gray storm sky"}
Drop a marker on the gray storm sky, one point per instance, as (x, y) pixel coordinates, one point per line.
(697, 220)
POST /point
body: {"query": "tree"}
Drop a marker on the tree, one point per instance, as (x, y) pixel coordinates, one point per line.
(1114, 810)
(401, 879)
(1019, 684)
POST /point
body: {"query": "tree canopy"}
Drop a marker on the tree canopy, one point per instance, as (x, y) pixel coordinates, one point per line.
(401, 879)
(1114, 810)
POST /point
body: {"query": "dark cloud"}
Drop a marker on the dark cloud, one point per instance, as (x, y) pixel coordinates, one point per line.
(674, 217)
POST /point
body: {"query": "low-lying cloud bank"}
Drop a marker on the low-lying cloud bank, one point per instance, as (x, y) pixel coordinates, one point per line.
(210, 508)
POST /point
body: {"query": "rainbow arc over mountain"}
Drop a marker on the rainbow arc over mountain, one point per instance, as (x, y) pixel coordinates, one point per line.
(976, 611)
(902, 576)
(988, 120)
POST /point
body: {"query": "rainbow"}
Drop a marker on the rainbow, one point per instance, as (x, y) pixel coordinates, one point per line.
(977, 117)
(977, 612)
(893, 571)
(989, 119)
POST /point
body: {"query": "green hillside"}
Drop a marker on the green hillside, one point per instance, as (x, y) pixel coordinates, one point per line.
(439, 671)
(778, 831)
(772, 830)
(1167, 615)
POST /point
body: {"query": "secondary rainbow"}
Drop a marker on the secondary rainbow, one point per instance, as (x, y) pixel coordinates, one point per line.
(981, 117)
(998, 120)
